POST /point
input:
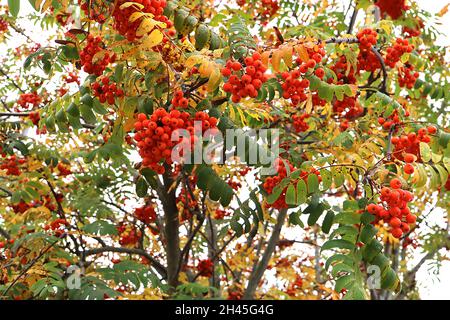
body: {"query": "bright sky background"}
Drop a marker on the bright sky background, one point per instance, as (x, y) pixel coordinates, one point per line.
(431, 286)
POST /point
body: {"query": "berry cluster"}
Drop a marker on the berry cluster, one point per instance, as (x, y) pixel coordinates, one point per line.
(11, 165)
(153, 134)
(293, 287)
(185, 202)
(393, 208)
(106, 90)
(407, 77)
(146, 214)
(57, 226)
(63, 170)
(179, 100)
(127, 28)
(408, 145)
(3, 25)
(392, 120)
(414, 31)
(244, 84)
(91, 50)
(394, 53)
(263, 10)
(344, 72)
(92, 11)
(35, 117)
(394, 8)
(71, 78)
(367, 60)
(299, 123)
(205, 268)
(219, 214)
(128, 235)
(349, 108)
(293, 87)
(21, 207)
(29, 100)
(271, 182)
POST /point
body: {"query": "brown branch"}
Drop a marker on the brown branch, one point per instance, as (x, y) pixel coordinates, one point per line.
(11, 80)
(258, 272)
(154, 263)
(383, 68)
(353, 19)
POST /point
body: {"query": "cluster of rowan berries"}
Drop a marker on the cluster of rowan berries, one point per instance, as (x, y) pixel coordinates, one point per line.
(349, 108)
(271, 182)
(58, 226)
(153, 134)
(244, 83)
(293, 87)
(367, 60)
(394, 53)
(392, 120)
(3, 25)
(106, 90)
(393, 8)
(344, 72)
(63, 170)
(293, 287)
(407, 147)
(128, 235)
(29, 100)
(393, 208)
(179, 100)
(205, 268)
(71, 77)
(93, 47)
(122, 16)
(406, 76)
(146, 214)
(35, 117)
(185, 203)
(235, 185)
(21, 207)
(92, 12)
(12, 165)
(220, 214)
(299, 124)
(263, 9)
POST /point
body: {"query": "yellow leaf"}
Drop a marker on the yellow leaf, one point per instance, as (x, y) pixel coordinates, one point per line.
(265, 58)
(135, 16)
(145, 27)
(287, 56)
(302, 52)
(214, 79)
(443, 11)
(153, 39)
(131, 3)
(276, 59)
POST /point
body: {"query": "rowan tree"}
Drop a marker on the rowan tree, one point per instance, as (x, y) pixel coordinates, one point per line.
(94, 206)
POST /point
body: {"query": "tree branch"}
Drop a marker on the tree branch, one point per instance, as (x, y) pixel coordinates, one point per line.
(258, 272)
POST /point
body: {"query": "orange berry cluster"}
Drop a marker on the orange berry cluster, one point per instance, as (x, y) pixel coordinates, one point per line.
(35, 117)
(185, 202)
(128, 235)
(205, 268)
(349, 108)
(406, 145)
(127, 28)
(293, 87)
(146, 214)
(393, 8)
(92, 12)
(63, 170)
(393, 208)
(95, 45)
(367, 60)
(11, 165)
(299, 123)
(394, 53)
(21, 207)
(407, 77)
(242, 84)
(271, 182)
(71, 78)
(29, 100)
(179, 100)
(3, 25)
(106, 90)
(153, 134)
(57, 226)
(340, 69)
(393, 119)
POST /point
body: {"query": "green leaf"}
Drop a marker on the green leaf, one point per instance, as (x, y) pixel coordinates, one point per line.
(339, 257)
(337, 244)
(344, 282)
(425, 151)
(367, 233)
(328, 221)
(141, 187)
(100, 227)
(313, 183)
(327, 179)
(290, 195)
(14, 7)
(301, 192)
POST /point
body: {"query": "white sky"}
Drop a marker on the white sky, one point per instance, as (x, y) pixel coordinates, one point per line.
(431, 286)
